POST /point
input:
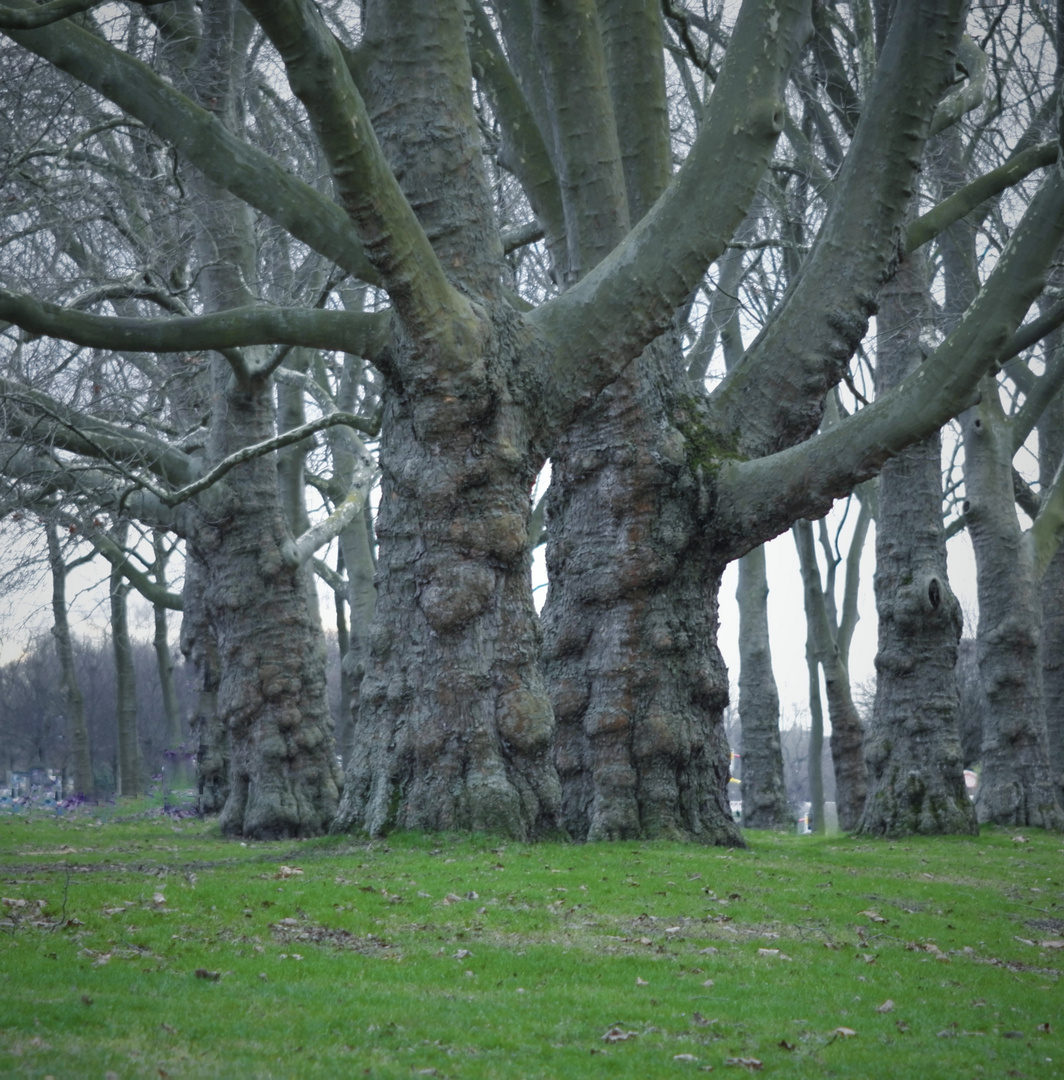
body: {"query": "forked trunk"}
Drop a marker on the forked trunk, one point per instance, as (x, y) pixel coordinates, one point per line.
(454, 728)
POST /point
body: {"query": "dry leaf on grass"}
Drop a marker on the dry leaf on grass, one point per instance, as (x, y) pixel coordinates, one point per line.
(288, 872)
(641, 982)
(617, 1034)
(210, 976)
(886, 1007)
(684, 1057)
(751, 1063)
(873, 915)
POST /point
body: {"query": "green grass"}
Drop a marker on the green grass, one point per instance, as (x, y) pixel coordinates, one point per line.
(468, 957)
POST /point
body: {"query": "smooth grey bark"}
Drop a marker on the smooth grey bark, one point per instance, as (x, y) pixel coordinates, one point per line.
(1050, 454)
(1016, 786)
(174, 751)
(130, 765)
(812, 595)
(846, 729)
(912, 747)
(73, 701)
(765, 804)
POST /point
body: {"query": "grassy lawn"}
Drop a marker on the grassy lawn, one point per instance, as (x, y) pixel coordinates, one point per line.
(134, 946)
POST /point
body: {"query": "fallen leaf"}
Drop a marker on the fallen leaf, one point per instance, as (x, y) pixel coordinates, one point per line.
(873, 915)
(1020, 840)
(212, 976)
(1012, 1034)
(747, 1063)
(711, 951)
(288, 871)
(462, 954)
(901, 1025)
(158, 898)
(1056, 943)
(618, 1034)
(886, 1007)
(784, 1045)
(844, 1032)
(684, 1057)
(641, 982)
(708, 982)
(768, 952)
(673, 930)
(700, 1020)
(1045, 1027)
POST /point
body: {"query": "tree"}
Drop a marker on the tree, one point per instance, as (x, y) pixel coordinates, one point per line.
(455, 725)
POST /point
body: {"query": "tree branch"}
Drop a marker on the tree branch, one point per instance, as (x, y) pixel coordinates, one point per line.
(775, 396)
(397, 245)
(229, 162)
(356, 332)
(600, 324)
(802, 481)
(959, 205)
(121, 561)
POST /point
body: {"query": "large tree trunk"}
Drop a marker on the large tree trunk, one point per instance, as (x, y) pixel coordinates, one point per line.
(764, 792)
(1017, 786)
(283, 776)
(912, 745)
(638, 684)
(455, 727)
(1050, 455)
(73, 701)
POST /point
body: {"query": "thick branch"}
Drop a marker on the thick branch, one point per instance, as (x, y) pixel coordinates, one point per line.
(40, 417)
(951, 210)
(629, 298)
(397, 245)
(775, 396)
(523, 151)
(767, 494)
(121, 561)
(349, 331)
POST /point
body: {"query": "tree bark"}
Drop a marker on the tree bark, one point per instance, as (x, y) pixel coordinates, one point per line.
(638, 684)
(916, 780)
(1016, 786)
(207, 730)
(130, 765)
(1050, 455)
(73, 701)
(765, 803)
(174, 751)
